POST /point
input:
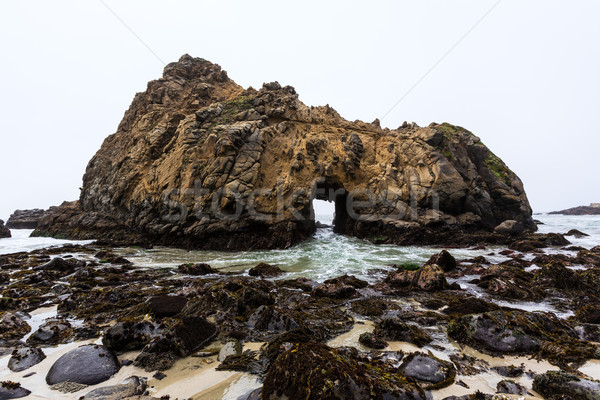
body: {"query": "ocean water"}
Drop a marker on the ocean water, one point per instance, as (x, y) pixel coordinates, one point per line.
(324, 256)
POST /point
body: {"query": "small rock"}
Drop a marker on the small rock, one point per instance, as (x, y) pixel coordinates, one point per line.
(159, 376)
(197, 269)
(578, 234)
(231, 348)
(431, 371)
(133, 386)
(369, 340)
(510, 387)
(12, 326)
(334, 291)
(444, 260)
(265, 270)
(509, 371)
(12, 390)
(510, 226)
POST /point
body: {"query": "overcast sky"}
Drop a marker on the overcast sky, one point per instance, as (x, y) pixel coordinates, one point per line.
(525, 79)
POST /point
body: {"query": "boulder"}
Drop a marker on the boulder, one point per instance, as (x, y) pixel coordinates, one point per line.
(231, 348)
(577, 233)
(443, 260)
(200, 162)
(334, 291)
(371, 341)
(51, 332)
(87, 365)
(12, 326)
(321, 372)
(4, 231)
(510, 387)
(25, 219)
(510, 227)
(429, 278)
(129, 335)
(396, 330)
(265, 270)
(431, 372)
(555, 385)
(166, 306)
(12, 390)
(133, 386)
(24, 358)
(197, 269)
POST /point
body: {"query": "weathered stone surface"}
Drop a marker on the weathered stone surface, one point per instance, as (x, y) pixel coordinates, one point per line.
(199, 162)
(560, 385)
(429, 278)
(25, 219)
(510, 387)
(88, 365)
(133, 386)
(24, 358)
(4, 231)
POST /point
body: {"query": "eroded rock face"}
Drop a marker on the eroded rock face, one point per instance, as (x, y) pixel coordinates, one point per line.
(197, 161)
(25, 219)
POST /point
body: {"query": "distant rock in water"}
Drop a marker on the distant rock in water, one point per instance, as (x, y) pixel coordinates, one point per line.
(592, 209)
(199, 162)
(4, 231)
(25, 219)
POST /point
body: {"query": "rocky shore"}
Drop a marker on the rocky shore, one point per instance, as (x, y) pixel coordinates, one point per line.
(592, 209)
(199, 162)
(89, 322)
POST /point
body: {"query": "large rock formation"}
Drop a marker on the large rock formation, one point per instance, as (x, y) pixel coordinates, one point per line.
(25, 219)
(592, 209)
(4, 231)
(197, 161)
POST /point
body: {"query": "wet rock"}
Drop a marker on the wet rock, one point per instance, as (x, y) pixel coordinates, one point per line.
(128, 335)
(245, 362)
(588, 314)
(430, 371)
(271, 319)
(51, 332)
(560, 385)
(4, 231)
(510, 387)
(475, 396)
(444, 260)
(12, 390)
(430, 278)
(371, 341)
(301, 283)
(265, 270)
(179, 339)
(578, 234)
(253, 395)
(25, 219)
(349, 280)
(509, 282)
(556, 275)
(509, 371)
(321, 372)
(87, 365)
(24, 358)
(62, 265)
(133, 386)
(166, 306)
(395, 330)
(334, 291)
(12, 326)
(197, 269)
(510, 227)
(230, 349)
(371, 307)
(520, 332)
(469, 305)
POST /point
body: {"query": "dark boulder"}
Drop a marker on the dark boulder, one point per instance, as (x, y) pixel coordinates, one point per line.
(396, 330)
(510, 387)
(197, 269)
(510, 282)
(321, 372)
(271, 319)
(12, 390)
(335, 291)
(444, 260)
(128, 335)
(88, 365)
(469, 305)
(349, 280)
(578, 234)
(509, 371)
(264, 270)
(12, 326)
(558, 385)
(24, 358)
(429, 278)
(166, 306)
(371, 341)
(51, 332)
(431, 372)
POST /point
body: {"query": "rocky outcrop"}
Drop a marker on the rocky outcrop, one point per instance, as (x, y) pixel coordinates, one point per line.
(592, 209)
(199, 162)
(25, 219)
(4, 231)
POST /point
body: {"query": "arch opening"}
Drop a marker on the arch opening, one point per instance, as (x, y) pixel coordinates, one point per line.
(331, 197)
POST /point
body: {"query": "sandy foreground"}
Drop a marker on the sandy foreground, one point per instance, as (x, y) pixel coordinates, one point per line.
(197, 378)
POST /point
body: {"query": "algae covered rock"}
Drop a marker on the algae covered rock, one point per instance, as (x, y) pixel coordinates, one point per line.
(265, 270)
(321, 372)
(24, 358)
(430, 371)
(555, 385)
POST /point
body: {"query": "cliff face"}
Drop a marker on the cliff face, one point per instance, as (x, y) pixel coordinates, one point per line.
(200, 162)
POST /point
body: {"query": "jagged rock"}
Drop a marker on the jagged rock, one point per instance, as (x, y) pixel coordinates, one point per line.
(396, 330)
(429, 278)
(555, 385)
(12, 390)
(510, 387)
(371, 341)
(25, 219)
(128, 335)
(133, 386)
(510, 282)
(12, 326)
(197, 269)
(24, 358)
(337, 290)
(199, 162)
(321, 372)
(4, 231)
(87, 365)
(349, 280)
(509, 371)
(444, 260)
(265, 270)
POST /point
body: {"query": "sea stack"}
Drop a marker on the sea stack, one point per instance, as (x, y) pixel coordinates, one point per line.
(200, 162)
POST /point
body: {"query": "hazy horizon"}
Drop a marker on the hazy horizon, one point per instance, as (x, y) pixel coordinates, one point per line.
(524, 79)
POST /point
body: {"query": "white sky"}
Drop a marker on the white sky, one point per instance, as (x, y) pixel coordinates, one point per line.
(526, 79)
